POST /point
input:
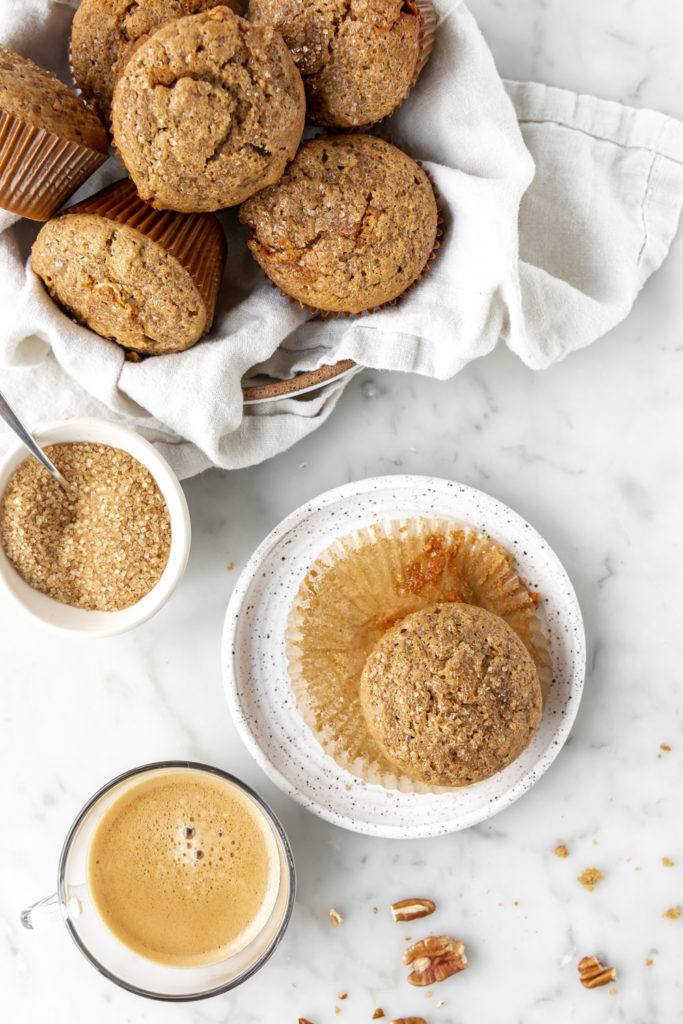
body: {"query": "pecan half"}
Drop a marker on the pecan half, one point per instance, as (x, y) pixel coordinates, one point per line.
(434, 959)
(335, 917)
(409, 910)
(593, 974)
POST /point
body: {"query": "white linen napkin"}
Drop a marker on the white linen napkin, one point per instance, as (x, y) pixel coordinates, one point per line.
(557, 209)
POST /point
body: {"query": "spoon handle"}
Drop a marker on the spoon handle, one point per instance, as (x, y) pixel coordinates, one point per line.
(13, 421)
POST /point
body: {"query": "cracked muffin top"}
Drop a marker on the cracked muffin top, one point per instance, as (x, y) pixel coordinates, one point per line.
(104, 32)
(359, 59)
(451, 694)
(350, 225)
(207, 110)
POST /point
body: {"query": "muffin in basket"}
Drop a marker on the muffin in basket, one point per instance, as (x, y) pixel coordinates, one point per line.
(206, 111)
(104, 32)
(358, 59)
(352, 224)
(49, 142)
(143, 278)
(451, 695)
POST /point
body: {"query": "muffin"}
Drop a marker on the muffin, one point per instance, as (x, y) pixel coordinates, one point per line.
(207, 111)
(363, 584)
(104, 32)
(351, 224)
(144, 279)
(49, 142)
(451, 695)
(359, 59)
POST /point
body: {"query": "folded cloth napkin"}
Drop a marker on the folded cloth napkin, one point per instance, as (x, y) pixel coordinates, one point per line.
(557, 208)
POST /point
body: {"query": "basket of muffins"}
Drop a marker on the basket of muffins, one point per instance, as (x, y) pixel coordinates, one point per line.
(205, 107)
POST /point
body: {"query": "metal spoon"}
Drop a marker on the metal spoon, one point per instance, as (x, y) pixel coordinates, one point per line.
(13, 421)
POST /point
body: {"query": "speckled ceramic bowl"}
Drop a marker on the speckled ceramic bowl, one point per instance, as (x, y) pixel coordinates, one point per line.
(255, 668)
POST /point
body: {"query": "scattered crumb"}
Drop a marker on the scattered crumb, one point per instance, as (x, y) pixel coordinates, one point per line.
(374, 910)
(441, 1002)
(342, 995)
(561, 850)
(649, 963)
(407, 938)
(595, 842)
(335, 917)
(429, 993)
(673, 912)
(337, 1010)
(230, 566)
(500, 904)
(590, 878)
(664, 746)
(636, 869)
(628, 860)
(612, 991)
(347, 788)
(668, 863)
(302, 1020)
(515, 904)
(379, 1012)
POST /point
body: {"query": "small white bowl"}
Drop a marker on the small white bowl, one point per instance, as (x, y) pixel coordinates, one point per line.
(64, 617)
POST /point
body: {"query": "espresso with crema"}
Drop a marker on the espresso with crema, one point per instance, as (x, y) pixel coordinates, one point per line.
(184, 868)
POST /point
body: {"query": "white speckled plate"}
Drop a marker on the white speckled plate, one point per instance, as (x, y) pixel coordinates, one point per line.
(255, 669)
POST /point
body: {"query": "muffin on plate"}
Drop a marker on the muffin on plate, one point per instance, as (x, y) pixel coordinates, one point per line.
(104, 32)
(451, 695)
(49, 142)
(358, 59)
(145, 279)
(351, 224)
(207, 111)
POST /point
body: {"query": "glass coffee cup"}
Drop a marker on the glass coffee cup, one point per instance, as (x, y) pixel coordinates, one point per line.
(188, 850)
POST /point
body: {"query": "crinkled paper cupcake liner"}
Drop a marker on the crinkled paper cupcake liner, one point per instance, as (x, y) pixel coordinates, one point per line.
(39, 169)
(363, 584)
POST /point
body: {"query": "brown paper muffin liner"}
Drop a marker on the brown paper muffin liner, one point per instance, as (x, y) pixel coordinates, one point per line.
(39, 170)
(363, 584)
(424, 9)
(195, 240)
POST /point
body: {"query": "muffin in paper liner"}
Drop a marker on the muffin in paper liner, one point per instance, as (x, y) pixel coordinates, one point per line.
(49, 142)
(349, 210)
(194, 241)
(362, 585)
(359, 61)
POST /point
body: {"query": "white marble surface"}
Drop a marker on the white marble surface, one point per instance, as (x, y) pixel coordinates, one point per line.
(590, 453)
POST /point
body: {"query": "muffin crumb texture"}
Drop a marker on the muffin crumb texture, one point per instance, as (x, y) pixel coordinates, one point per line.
(590, 877)
(351, 224)
(207, 111)
(105, 545)
(451, 694)
(358, 58)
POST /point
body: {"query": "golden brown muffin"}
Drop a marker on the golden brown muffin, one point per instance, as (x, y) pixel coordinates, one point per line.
(49, 142)
(451, 694)
(144, 279)
(207, 111)
(350, 225)
(104, 32)
(359, 59)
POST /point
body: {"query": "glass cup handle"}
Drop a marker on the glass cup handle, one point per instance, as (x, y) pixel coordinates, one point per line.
(42, 912)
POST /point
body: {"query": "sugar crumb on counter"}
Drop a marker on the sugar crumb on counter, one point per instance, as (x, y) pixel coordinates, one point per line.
(673, 912)
(561, 850)
(590, 877)
(667, 862)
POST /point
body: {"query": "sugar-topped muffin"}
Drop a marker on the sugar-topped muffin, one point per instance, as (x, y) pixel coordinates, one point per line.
(350, 225)
(104, 32)
(359, 59)
(207, 110)
(451, 694)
